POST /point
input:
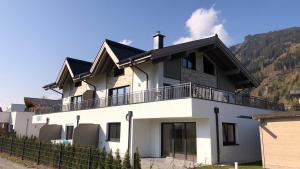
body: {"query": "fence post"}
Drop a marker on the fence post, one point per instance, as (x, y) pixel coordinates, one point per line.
(90, 158)
(60, 156)
(23, 148)
(11, 145)
(134, 161)
(39, 153)
(1, 148)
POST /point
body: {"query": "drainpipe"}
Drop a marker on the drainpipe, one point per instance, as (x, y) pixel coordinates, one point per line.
(77, 118)
(147, 76)
(129, 119)
(216, 110)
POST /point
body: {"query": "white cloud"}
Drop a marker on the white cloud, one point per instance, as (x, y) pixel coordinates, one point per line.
(204, 23)
(126, 42)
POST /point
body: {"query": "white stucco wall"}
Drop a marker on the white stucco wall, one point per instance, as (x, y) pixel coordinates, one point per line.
(147, 119)
(4, 117)
(21, 126)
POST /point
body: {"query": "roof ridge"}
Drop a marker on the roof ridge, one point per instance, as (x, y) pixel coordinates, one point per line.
(123, 45)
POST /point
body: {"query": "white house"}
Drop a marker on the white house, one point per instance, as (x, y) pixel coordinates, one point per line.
(178, 101)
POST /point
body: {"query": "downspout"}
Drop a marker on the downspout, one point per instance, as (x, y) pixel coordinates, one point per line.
(129, 119)
(216, 110)
(147, 76)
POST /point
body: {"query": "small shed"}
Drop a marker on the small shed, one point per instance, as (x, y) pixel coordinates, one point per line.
(50, 132)
(280, 138)
(86, 135)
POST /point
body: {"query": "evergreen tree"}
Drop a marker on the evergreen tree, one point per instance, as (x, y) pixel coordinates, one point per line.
(109, 160)
(137, 159)
(102, 156)
(117, 162)
(126, 162)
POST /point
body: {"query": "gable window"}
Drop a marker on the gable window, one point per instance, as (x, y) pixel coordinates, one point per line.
(69, 132)
(118, 72)
(208, 66)
(113, 131)
(229, 135)
(119, 96)
(189, 61)
(77, 84)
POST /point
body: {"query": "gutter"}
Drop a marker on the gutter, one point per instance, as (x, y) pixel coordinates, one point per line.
(216, 110)
(147, 76)
(129, 119)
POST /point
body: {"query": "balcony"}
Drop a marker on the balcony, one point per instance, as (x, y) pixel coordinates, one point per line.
(180, 91)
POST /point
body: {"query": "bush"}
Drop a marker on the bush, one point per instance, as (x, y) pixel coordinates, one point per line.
(117, 164)
(126, 162)
(109, 160)
(137, 159)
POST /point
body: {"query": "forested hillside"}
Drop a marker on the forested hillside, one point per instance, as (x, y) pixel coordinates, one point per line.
(274, 59)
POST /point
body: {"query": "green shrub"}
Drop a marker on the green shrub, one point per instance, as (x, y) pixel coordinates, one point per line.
(109, 160)
(126, 162)
(117, 164)
(137, 159)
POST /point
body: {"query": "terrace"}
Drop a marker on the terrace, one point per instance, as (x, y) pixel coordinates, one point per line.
(180, 91)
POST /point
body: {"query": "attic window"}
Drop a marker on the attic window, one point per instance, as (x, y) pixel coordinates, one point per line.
(208, 66)
(77, 84)
(189, 61)
(118, 72)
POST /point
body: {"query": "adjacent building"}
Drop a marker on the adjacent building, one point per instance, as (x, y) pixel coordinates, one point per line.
(177, 101)
(279, 136)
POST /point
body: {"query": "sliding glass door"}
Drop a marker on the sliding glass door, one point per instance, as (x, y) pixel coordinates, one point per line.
(179, 140)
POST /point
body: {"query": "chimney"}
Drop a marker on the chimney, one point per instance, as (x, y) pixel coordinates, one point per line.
(158, 40)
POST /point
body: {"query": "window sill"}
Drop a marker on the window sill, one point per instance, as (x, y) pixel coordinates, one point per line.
(116, 141)
(234, 144)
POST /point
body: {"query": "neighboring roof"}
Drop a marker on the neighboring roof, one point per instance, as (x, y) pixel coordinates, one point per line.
(38, 102)
(277, 115)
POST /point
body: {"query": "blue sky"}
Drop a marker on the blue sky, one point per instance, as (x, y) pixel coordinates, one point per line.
(36, 36)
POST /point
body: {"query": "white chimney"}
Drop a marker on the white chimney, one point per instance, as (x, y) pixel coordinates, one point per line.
(158, 40)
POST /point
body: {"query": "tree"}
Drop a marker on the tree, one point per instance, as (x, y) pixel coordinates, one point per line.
(117, 161)
(137, 159)
(109, 160)
(126, 162)
(102, 157)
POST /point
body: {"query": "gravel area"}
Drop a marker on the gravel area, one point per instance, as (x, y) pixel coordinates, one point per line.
(6, 164)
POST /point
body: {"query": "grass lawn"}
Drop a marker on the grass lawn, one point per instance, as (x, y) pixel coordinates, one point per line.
(256, 165)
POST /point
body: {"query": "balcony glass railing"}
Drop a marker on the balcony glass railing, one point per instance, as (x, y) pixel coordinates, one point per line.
(187, 90)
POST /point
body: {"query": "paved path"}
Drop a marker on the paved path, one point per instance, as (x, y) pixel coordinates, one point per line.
(6, 164)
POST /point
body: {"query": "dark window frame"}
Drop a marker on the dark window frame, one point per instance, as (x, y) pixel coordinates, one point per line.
(118, 72)
(189, 61)
(208, 66)
(114, 137)
(116, 98)
(225, 128)
(69, 136)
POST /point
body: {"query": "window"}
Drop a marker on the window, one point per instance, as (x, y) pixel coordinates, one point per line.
(189, 61)
(118, 72)
(113, 132)
(229, 135)
(76, 102)
(119, 96)
(208, 66)
(69, 132)
(77, 84)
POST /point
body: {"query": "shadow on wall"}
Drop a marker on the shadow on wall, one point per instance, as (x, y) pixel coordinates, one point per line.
(268, 131)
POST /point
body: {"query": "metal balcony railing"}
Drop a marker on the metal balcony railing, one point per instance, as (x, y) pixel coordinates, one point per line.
(180, 91)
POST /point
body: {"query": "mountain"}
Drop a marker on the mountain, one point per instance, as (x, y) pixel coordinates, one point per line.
(274, 59)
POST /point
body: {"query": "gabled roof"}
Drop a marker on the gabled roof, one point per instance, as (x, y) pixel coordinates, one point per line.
(212, 46)
(122, 56)
(78, 66)
(73, 67)
(116, 51)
